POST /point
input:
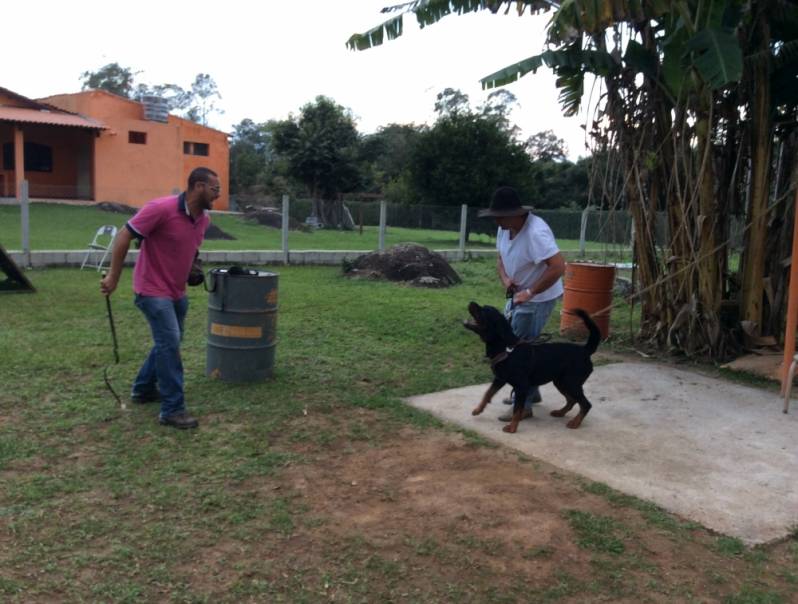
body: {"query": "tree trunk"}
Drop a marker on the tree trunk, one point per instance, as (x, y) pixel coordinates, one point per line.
(709, 282)
(333, 214)
(754, 264)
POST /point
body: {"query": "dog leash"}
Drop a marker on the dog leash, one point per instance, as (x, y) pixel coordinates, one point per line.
(116, 353)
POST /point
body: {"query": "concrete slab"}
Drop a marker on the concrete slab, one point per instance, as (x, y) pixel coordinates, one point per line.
(718, 453)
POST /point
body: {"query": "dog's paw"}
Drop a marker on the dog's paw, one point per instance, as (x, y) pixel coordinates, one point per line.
(478, 409)
(575, 422)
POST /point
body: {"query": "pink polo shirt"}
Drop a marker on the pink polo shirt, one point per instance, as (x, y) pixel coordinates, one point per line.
(169, 239)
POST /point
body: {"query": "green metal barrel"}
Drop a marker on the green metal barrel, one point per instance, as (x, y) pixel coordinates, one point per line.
(242, 325)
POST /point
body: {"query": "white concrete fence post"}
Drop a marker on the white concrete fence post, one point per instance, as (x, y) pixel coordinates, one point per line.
(285, 220)
(463, 224)
(583, 232)
(383, 213)
(24, 204)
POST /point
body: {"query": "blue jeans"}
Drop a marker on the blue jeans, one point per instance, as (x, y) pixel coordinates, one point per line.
(528, 321)
(163, 369)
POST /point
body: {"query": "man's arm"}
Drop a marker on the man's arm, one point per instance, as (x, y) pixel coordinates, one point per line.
(555, 267)
(118, 253)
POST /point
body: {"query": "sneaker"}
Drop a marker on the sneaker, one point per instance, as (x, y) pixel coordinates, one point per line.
(509, 415)
(147, 397)
(181, 421)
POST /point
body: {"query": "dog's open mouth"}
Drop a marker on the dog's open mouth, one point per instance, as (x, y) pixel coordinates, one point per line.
(474, 323)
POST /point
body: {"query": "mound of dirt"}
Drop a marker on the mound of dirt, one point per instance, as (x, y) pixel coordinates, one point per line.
(408, 262)
(214, 232)
(273, 218)
(118, 208)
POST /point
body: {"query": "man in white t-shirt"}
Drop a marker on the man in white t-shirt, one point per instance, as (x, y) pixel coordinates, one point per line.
(530, 267)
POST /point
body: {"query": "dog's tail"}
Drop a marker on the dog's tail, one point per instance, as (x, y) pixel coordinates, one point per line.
(595, 335)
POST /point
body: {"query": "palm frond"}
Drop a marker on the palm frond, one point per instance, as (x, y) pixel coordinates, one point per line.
(717, 56)
(374, 37)
(428, 12)
(569, 57)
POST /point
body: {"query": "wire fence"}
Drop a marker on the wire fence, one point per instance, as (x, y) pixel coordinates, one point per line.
(374, 225)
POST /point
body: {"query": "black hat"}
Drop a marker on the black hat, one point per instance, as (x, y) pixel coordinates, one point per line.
(505, 202)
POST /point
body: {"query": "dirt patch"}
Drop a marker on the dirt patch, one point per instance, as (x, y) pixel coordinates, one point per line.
(116, 208)
(409, 262)
(272, 217)
(214, 232)
(432, 509)
(388, 512)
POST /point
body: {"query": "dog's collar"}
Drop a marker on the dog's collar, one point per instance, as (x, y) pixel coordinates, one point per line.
(502, 356)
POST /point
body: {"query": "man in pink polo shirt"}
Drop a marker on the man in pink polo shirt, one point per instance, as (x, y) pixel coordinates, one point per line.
(171, 230)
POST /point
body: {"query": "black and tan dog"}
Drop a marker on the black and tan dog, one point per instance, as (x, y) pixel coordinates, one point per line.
(523, 365)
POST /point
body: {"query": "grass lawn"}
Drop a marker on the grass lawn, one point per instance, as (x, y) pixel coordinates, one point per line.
(320, 485)
(67, 227)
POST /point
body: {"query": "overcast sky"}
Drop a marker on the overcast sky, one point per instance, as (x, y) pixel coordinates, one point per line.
(270, 57)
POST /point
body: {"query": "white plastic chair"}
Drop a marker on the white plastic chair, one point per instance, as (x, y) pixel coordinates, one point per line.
(103, 239)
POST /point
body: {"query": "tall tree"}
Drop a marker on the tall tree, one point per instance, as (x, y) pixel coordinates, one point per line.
(386, 157)
(205, 93)
(546, 146)
(450, 101)
(111, 77)
(178, 99)
(464, 157)
(321, 148)
(250, 154)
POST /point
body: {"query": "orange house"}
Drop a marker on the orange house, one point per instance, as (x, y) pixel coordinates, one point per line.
(111, 149)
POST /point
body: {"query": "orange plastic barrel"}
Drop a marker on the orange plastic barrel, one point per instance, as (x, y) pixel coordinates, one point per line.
(589, 287)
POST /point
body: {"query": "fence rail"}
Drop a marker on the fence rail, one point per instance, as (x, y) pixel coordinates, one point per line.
(456, 230)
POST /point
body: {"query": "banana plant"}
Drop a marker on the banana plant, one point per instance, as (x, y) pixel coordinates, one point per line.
(682, 79)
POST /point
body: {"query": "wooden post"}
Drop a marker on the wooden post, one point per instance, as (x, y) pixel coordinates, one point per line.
(25, 215)
(463, 223)
(383, 212)
(19, 162)
(792, 304)
(285, 220)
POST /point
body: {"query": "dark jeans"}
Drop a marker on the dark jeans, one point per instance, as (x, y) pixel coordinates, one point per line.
(163, 368)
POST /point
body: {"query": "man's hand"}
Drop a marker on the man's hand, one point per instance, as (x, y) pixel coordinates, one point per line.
(108, 284)
(522, 296)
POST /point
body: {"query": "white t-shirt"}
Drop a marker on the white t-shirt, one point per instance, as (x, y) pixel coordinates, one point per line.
(523, 256)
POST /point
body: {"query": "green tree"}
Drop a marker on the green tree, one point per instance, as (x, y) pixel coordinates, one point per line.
(385, 157)
(111, 77)
(499, 104)
(179, 100)
(546, 146)
(204, 94)
(463, 158)
(450, 101)
(321, 149)
(251, 154)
